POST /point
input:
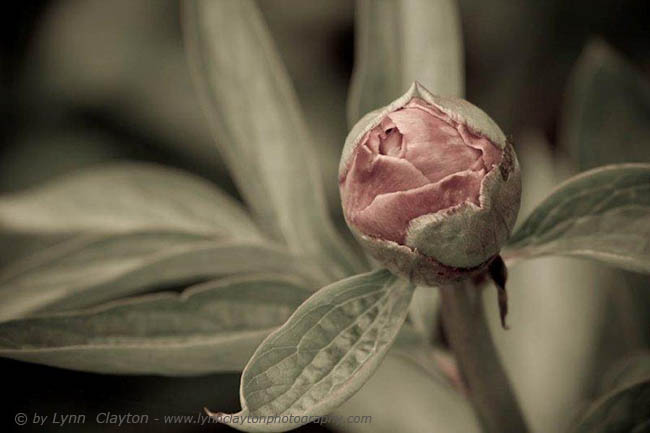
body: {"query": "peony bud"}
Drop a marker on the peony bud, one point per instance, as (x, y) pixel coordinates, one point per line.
(430, 186)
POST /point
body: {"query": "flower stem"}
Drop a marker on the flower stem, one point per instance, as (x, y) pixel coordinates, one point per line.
(487, 384)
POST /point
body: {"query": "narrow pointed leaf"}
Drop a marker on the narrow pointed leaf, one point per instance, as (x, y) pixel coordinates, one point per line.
(607, 112)
(125, 197)
(212, 327)
(325, 352)
(95, 269)
(259, 127)
(402, 41)
(602, 214)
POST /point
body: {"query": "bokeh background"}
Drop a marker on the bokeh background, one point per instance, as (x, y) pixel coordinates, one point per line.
(85, 82)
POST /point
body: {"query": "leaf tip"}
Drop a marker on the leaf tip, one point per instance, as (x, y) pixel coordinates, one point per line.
(215, 415)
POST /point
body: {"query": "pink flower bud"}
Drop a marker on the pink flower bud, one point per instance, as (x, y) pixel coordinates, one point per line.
(430, 186)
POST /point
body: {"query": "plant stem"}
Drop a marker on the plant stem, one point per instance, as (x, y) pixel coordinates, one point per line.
(487, 384)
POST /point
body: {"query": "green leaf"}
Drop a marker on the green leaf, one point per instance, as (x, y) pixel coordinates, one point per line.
(212, 327)
(125, 197)
(624, 410)
(402, 41)
(325, 352)
(409, 396)
(607, 111)
(98, 268)
(602, 214)
(259, 128)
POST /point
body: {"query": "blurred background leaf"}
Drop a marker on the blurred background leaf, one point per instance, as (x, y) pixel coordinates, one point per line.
(259, 127)
(607, 110)
(118, 197)
(93, 269)
(399, 42)
(212, 327)
(600, 214)
(124, 197)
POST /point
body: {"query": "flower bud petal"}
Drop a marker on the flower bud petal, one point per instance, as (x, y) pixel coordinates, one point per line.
(430, 186)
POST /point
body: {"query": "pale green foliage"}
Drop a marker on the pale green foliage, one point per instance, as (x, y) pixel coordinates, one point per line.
(134, 228)
(400, 42)
(606, 116)
(326, 351)
(124, 197)
(93, 269)
(601, 214)
(260, 129)
(211, 327)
